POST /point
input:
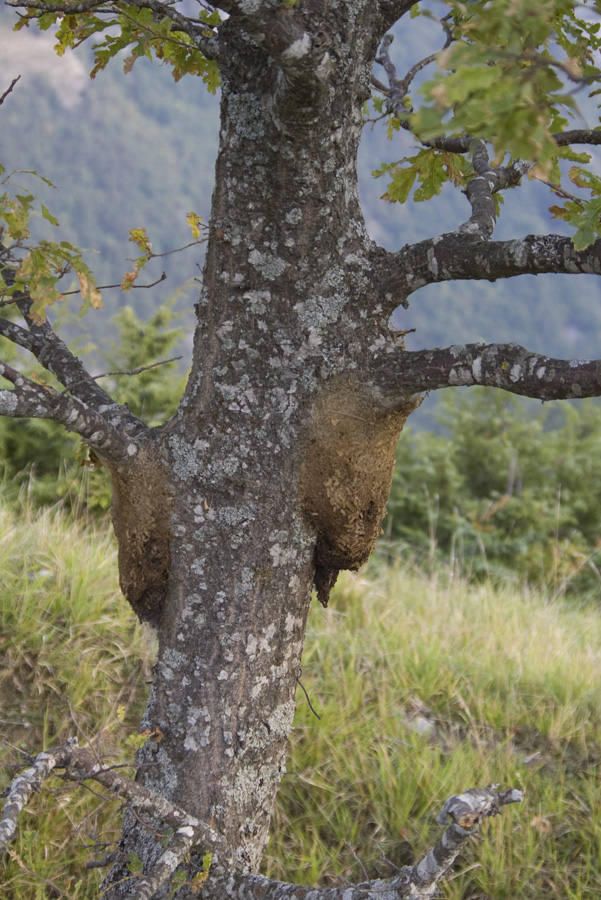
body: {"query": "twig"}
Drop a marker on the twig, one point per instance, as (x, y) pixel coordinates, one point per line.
(106, 860)
(162, 362)
(8, 90)
(101, 287)
(299, 682)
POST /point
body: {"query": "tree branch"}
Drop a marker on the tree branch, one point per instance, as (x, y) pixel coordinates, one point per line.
(452, 257)
(79, 766)
(393, 10)
(507, 366)
(480, 189)
(577, 136)
(197, 31)
(9, 89)
(54, 355)
(398, 88)
(466, 811)
(40, 401)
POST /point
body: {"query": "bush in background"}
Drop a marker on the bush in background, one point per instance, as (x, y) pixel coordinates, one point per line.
(508, 488)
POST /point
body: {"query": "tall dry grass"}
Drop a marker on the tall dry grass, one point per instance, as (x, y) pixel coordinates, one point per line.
(424, 685)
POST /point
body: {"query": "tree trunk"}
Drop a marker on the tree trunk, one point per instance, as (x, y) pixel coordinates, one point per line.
(275, 471)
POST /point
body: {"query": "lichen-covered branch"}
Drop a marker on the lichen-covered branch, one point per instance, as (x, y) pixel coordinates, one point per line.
(40, 339)
(40, 401)
(398, 87)
(480, 189)
(195, 30)
(79, 765)
(457, 257)
(54, 355)
(20, 791)
(507, 366)
(466, 811)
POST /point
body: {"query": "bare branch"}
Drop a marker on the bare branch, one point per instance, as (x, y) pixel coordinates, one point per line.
(9, 89)
(399, 87)
(577, 136)
(19, 793)
(451, 257)
(54, 355)
(507, 366)
(138, 371)
(466, 811)
(79, 766)
(19, 336)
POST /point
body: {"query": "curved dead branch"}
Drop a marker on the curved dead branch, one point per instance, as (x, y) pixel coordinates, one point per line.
(466, 811)
(79, 765)
(507, 366)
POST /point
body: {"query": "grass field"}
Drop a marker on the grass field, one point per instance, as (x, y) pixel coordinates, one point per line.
(424, 685)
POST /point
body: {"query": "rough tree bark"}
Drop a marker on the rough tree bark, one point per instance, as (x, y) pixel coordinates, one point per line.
(274, 473)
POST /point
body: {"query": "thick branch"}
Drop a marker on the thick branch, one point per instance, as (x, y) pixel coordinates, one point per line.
(507, 366)
(37, 401)
(54, 355)
(452, 257)
(393, 10)
(466, 811)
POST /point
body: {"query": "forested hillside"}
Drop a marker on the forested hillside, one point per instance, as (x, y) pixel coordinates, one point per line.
(139, 149)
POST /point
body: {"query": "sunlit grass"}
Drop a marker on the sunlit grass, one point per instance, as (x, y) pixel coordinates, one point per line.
(70, 654)
(425, 686)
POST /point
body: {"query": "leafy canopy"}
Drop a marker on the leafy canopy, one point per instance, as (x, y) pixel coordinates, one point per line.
(516, 74)
(142, 32)
(512, 72)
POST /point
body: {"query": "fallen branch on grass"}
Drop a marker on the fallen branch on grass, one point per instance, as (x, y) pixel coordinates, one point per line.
(466, 811)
